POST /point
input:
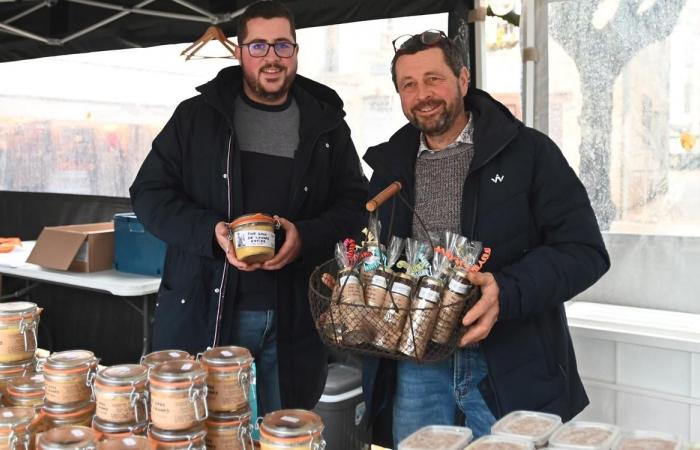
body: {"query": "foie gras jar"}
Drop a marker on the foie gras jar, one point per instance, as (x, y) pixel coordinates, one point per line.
(68, 438)
(451, 305)
(106, 430)
(253, 237)
(120, 393)
(229, 430)
(178, 394)
(26, 391)
(125, 443)
(18, 324)
(76, 414)
(418, 328)
(291, 429)
(68, 376)
(17, 428)
(154, 358)
(10, 371)
(190, 439)
(396, 303)
(228, 377)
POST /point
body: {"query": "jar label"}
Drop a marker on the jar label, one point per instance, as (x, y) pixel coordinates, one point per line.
(458, 287)
(380, 281)
(226, 394)
(116, 408)
(375, 295)
(429, 294)
(70, 391)
(254, 238)
(402, 289)
(12, 345)
(347, 280)
(172, 411)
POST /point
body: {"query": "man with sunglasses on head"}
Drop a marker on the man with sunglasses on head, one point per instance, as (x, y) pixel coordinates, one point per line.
(470, 167)
(258, 138)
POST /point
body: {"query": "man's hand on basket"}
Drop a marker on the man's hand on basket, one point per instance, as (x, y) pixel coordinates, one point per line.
(483, 315)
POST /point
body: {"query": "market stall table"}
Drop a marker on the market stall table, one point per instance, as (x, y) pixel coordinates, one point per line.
(120, 284)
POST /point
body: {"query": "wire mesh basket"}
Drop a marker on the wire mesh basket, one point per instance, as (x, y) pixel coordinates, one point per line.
(401, 329)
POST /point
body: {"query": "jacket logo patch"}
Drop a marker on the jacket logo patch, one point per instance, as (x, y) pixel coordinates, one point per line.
(498, 178)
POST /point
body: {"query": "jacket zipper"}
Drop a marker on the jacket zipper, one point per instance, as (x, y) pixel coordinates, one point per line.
(222, 286)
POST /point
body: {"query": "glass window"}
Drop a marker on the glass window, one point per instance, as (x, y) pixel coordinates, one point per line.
(84, 123)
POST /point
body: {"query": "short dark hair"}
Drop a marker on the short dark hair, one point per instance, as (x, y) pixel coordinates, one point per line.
(450, 51)
(266, 9)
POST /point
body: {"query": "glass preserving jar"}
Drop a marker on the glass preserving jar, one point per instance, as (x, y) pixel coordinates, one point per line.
(253, 237)
(229, 430)
(68, 438)
(178, 393)
(26, 391)
(68, 376)
(190, 439)
(106, 430)
(58, 415)
(228, 377)
(125, 443)
(120, 394)
(291, 429)
(154, 358)
(17, 428)
(18, 325)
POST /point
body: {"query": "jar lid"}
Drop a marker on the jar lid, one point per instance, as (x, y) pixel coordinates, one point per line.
(68, 437)
(178, 370)
(27, 384)
(118, 428)
(56, 409)
(17, 308)
(123, 374)
(153, 359)
(431, 282)
(242, 415)
(191, 434)
(70, 359)
(291, 423)
(226, 356)
(126, 443)
(16, 416)
(252, 218)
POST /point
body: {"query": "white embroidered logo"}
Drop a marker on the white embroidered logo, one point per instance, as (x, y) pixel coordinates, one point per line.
(498, 178)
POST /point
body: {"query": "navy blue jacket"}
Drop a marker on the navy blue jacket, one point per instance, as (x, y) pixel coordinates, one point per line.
(523, 201)
(191, 179)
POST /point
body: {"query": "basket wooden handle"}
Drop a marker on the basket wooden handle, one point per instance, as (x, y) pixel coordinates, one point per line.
(383, 196)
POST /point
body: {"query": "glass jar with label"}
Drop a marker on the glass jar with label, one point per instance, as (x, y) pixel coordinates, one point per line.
(107, 430)
(57, 415)
(68, 438)
(68, 376)
(253, 237)
(348, 291)
(18, 325)
(229, 431)
(120, 393)
(17, 428)
(125, 443)
(396, 305)
(291, 429)
(375, 290)
(228, 377)
(154, 358)
(26, 391)
(10, 371)
(419, 326)
(190, 439)
(178, 393)
(451, 305)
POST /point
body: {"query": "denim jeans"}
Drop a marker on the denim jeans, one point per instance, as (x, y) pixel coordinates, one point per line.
(255, 330)
(431, 393)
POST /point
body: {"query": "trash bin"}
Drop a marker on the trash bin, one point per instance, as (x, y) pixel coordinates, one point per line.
(341, 407)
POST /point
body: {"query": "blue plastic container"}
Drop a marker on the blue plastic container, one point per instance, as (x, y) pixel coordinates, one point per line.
(135, 249)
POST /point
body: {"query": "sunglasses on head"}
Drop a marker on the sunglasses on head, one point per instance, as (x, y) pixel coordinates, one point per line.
(429, 38)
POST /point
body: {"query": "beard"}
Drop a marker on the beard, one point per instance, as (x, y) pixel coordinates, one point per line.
(254, 82)
(436, 125)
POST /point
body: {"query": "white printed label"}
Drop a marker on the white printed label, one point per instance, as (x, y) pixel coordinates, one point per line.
(379, 280)
(254, 238)
(429, 294)
(400, 288)
(458, 287)
(349, 279)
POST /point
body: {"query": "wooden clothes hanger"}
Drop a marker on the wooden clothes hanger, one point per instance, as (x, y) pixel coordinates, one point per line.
(213, 33)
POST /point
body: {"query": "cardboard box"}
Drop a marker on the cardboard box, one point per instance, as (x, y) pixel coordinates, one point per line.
(76, 248)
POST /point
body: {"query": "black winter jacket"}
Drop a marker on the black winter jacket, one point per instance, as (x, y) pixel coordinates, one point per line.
(523, 201)
(191, 179)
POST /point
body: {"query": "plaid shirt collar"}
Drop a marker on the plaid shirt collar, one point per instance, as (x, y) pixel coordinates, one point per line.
(465, 137)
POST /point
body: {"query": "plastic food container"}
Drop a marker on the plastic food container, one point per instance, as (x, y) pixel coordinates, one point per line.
(253, 237)
(291, 429)
(68, 438)
(228, 377)
(178, 395)
(436, 437)
(648, 440)
(535, 427)
(500, 443)
(120, 392)
(585, 436)
(68, 376)
(18, 323)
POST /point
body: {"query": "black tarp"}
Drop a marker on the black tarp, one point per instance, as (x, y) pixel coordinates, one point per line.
(64, 18)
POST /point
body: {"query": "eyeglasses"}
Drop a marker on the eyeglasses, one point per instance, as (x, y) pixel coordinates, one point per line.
(429, 38)
(283, 49)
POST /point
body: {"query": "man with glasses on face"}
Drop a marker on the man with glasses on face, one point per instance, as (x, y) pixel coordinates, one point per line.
(472, 168)
(258, 138)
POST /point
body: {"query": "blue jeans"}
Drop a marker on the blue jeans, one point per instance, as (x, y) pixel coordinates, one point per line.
(431, 393)
(256, 331)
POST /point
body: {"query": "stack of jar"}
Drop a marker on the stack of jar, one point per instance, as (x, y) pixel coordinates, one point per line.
(18, 331)
(229, 372)
(68, 378)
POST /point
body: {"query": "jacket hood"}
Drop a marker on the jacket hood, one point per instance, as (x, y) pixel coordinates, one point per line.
(319, 100)
(494, 127)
